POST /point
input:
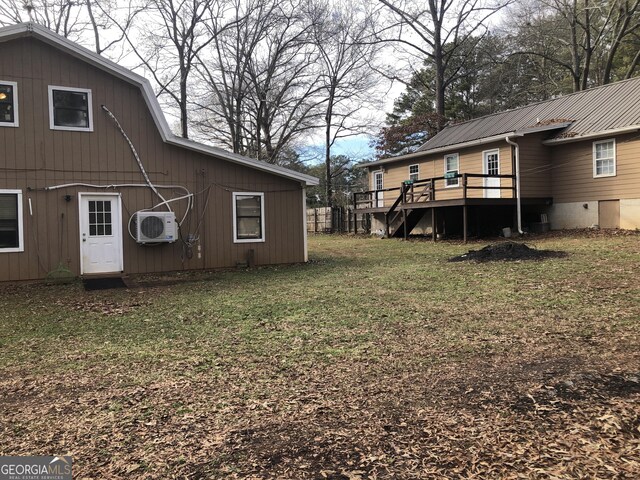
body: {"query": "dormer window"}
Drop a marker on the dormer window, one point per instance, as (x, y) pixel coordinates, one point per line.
(70, 109)
(8, 104)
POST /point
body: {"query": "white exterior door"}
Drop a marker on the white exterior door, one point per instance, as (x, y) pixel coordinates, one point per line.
(378, 184)
(491, 166)
(100, 233)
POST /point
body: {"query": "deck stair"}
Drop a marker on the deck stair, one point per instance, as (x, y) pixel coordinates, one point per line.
(398, 220)
(412, 217)
(416, 196)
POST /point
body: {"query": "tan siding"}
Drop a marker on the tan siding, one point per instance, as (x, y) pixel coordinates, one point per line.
(535, 166)
(35, 156)
(432, 166)
(572, 179)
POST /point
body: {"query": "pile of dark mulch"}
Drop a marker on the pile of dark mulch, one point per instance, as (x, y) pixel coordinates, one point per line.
(507, 251)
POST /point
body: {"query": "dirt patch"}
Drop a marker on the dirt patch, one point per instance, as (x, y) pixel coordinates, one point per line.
(509, 251)
(565, 394)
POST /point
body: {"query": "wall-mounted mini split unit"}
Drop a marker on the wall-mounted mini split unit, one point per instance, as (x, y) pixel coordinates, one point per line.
(155, 227)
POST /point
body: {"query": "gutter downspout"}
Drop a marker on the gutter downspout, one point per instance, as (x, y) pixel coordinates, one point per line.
(517, 162)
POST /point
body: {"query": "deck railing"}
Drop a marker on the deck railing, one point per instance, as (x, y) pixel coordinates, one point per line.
(427, 190)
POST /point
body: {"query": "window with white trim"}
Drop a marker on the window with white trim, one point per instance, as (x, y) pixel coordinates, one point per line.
(378, 181)
(604, 158)
(414, 172)
(70, 109)
(11, 238)
(8, 104)
(248, 217)
(451, 167)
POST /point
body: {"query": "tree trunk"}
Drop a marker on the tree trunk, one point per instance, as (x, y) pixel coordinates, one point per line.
(438, 60)
(575, 54)
(327, 163)
(588, 48)
(327, 146)
(183, 108)
(613, 49)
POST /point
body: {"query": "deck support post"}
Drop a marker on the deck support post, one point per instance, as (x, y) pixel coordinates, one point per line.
(404, 222)
(464, 207)
(433, 224)
(464, 222)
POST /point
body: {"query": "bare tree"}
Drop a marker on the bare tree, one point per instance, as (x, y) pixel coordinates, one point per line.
(260, 79)
(168, 43)
(78, 20)
(625, 25)
(341, 33)
(223, 73)
(436, 30)
(106, 15)
(284, 78)
(584, 34)
(64, 17)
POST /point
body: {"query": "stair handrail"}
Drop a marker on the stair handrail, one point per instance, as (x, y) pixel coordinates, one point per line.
(403, 190)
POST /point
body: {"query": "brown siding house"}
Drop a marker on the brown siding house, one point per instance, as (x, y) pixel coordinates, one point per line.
(75, 194)
(569, 162)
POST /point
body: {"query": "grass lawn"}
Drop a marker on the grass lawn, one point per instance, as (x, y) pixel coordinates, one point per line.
(378, 359)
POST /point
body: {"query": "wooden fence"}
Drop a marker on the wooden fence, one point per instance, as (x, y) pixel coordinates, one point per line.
(337, 220)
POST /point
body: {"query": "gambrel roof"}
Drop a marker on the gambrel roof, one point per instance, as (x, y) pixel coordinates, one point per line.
(45, 35)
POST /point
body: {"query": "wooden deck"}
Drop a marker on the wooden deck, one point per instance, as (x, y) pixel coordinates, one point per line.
(460, 202)
(413, 197)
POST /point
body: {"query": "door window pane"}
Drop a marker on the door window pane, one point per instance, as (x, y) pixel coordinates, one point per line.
(100, 223)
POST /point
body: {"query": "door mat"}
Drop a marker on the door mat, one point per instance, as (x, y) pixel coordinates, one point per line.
(104, 283)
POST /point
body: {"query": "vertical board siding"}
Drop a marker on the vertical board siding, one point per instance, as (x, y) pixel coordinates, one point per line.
(33, 157)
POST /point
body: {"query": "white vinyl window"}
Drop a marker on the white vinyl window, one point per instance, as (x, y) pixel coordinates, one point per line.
(451, 167)
(604, 158)
(11, 235)
(248, 217)
(8, 104)
(378, 181)
(70, 109)
(414, 172)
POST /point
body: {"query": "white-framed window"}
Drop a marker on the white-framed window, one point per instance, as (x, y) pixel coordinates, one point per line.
(248, 217)
(378, 180)
(8, 104)
(604, 158)
(414, 172)
(11, 234)
(492, 162)
(451, 167)
(70, 109)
